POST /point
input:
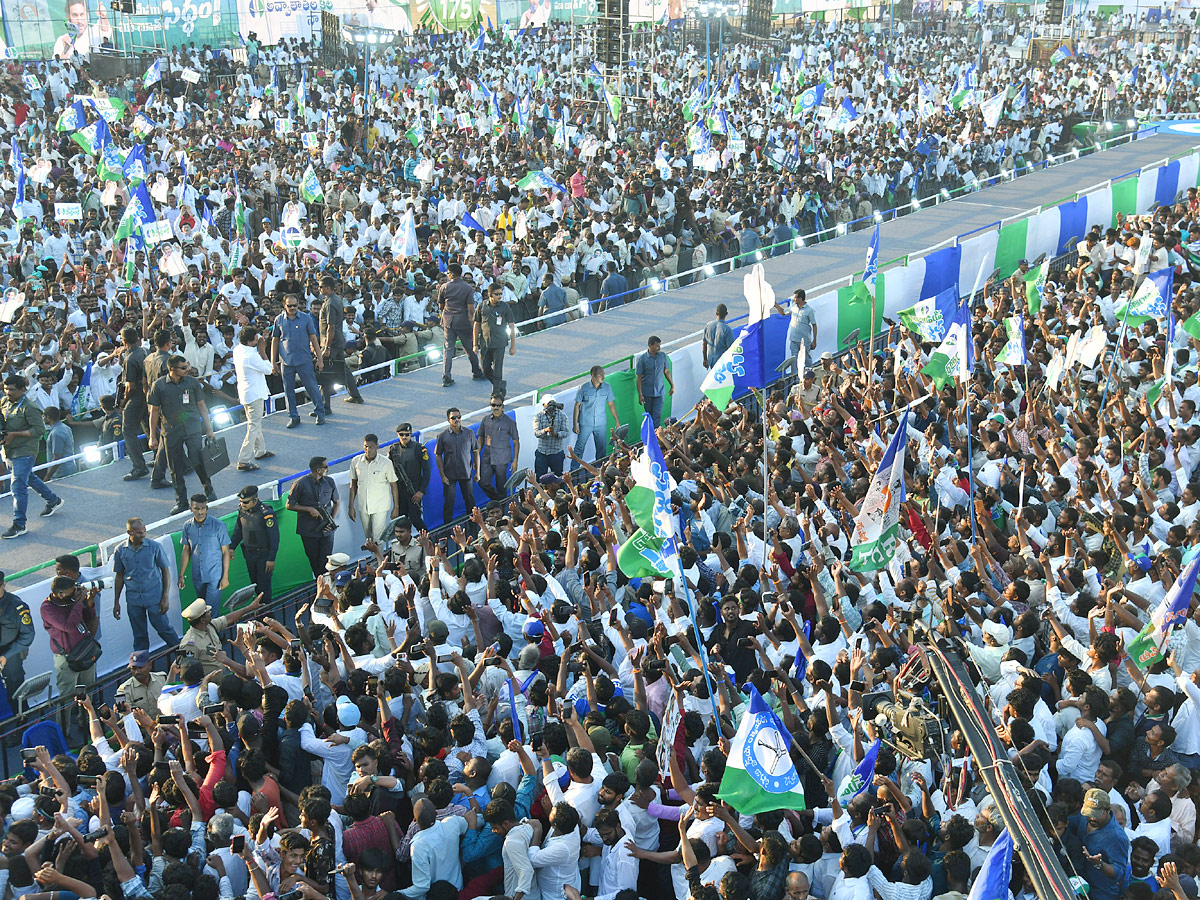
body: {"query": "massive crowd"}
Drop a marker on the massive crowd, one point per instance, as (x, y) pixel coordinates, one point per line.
(290, 176)
(504, 712)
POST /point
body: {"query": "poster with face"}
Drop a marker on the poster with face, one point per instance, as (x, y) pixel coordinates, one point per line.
(86, 29)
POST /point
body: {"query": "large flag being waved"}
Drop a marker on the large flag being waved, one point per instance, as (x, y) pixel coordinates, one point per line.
(739, 369)
(142, 125)
(408, 244)
(1013, 352)
(649, 502)
(1148, 647)
(645, 556)
(812, 97)
(137, 213)
(996, 872)
(992, 108)
(929, 318)
(862, 776)
(239, 207)
(310, 186)
(760, 775)
(1035, 288)
(93, 138)
(153, 74)
(72, 118)
(877, 528)
(1151, 299)
(108, 108)
(1192, 326)
(872, 263)
(1063, 52)
(134, 167)
(955, 356)
(111, 166)
(613, 101)
(540, 181)
(470, 223)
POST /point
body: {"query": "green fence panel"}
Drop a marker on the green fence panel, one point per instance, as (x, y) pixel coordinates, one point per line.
(1124, 198)
(291, 565)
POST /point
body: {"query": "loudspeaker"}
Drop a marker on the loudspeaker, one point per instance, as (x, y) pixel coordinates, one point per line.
(612, 30)
(129, 7)
(757, 20)
(331, 39)
(1054, 11)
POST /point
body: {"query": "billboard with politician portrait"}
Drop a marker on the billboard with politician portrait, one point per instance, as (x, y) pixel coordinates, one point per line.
(44, 29)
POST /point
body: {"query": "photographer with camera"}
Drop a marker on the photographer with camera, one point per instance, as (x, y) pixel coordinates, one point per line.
(71, 621)
(551, 428)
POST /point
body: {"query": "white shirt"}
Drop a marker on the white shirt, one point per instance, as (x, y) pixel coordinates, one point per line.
(252, 371)
(1079, 754)
(557, 864)
(618, 867)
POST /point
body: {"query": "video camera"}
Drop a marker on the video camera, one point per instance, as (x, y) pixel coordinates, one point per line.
(913, 729)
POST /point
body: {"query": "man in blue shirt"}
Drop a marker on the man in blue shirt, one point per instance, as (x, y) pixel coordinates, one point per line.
(294, 349)
(205, 542)
(1102, 860)
(614, 286)
(802, 330)
(718, 337)
(143, 572)
(593, 402)
(653, 376)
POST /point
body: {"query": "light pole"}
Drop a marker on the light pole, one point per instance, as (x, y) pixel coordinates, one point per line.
(723, 9)
(367, 37)
(706, 12)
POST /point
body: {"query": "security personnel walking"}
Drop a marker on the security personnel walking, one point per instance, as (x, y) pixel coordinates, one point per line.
(16, 636)
(257, 529)
(413, 471)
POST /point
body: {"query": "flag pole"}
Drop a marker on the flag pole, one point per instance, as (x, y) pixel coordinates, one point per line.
(1120, 340)
(970, 463)
(700, 649)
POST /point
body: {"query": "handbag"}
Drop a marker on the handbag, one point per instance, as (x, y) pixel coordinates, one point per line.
(215, 456)
(83, 655)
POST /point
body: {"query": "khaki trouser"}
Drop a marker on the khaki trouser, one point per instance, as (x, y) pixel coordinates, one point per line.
(255, 444)
(374, 525)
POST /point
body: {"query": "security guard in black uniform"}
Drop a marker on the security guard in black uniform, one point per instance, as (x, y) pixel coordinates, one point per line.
(411, 461)
(16, 636)
(258, 528)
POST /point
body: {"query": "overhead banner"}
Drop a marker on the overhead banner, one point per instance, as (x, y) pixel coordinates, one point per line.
(43, 29)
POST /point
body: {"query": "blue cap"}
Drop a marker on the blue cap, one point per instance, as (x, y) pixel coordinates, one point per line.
(1142, 560)
(341, 579)
(533, 628)
(639, 611)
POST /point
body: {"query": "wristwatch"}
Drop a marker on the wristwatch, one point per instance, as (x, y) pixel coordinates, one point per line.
(374, 780)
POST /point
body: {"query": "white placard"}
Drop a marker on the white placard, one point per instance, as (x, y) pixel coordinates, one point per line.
(159, 188)
(68, 212)
(191, 76)
(156, 232)
(40, 173)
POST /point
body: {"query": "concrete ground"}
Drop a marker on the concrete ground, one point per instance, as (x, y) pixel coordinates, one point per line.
(98, 501)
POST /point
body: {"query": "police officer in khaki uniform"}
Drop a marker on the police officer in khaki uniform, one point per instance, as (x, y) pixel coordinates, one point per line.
(143, 687)
(413, 470)
(203, 639)
(405, 551)
(16, 636)
(257, 530)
